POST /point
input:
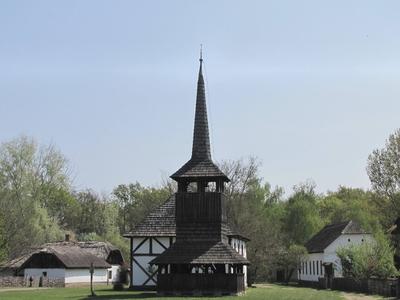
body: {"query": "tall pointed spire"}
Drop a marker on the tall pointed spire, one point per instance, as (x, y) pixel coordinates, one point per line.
(201, 137)
(200, 164)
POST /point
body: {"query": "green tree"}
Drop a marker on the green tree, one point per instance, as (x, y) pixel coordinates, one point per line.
(3, 241)
(369, 259)
(28, 176)
(289, 259)
(351, 204)
(302, 218)
(255, 211)
(134, 202)
(384, 171)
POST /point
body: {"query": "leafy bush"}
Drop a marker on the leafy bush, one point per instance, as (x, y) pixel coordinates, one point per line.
(370, 259)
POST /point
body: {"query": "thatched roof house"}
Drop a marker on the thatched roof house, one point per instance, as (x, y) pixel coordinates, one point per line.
(68, 259)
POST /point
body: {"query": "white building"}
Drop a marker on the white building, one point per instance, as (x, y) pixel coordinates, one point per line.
(71, 261)
(153, 236)
(322, 260)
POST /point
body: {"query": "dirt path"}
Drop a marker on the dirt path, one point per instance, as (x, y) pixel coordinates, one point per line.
(352, 296)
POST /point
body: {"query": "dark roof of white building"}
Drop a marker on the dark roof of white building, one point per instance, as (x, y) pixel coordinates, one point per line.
(330, 233)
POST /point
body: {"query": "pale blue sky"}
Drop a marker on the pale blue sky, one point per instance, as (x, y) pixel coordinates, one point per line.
(309, 87)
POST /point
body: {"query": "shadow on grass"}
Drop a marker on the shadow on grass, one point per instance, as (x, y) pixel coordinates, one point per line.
(144, 295)
(117, 295)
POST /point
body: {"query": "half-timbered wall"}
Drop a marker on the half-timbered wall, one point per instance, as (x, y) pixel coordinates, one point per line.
(145, 249)
(240, 247)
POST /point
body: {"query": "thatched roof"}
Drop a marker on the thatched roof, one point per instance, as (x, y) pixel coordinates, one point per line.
(161, 222)
(330, 233)
(71, 254)
(71, 257)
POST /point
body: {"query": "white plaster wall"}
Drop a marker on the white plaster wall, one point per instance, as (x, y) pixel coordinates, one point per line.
(330, 256)
(157, 248)
(51, 273)
(83, 275)
(237, 245)
(311, 274)
(138, 276)
(344, 240)
(114, 273)
(144, 248)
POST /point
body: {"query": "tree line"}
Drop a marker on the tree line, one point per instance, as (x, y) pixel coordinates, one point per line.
(39, 204)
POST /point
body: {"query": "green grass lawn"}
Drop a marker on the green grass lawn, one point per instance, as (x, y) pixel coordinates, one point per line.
(262, 292)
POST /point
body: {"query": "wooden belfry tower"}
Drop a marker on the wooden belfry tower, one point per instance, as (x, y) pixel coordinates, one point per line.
(200, 261)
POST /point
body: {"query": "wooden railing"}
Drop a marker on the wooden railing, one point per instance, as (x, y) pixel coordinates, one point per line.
(202, 284)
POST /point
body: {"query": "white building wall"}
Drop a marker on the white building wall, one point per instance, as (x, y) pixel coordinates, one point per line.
(157, 248)
(83, 275)
(114, 273)
(344, 240)
(240, 247)
(311, 268)
(51, 273)
(144, 248)
(139, 277)
(329, 256)
(70, 275)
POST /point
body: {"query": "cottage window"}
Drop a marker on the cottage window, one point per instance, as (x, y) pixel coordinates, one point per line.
(310, 268)
(313, 267)
(320, 264)
(109, 274)
(348, 240)
(317, 267)
(44, 274)
(306, 267)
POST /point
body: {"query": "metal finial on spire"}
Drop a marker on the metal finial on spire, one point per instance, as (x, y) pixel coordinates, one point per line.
(201, 53)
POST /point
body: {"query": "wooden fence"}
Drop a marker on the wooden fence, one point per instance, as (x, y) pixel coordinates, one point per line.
(384, 287)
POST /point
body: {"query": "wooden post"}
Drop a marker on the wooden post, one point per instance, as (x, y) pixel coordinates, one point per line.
(91, 280)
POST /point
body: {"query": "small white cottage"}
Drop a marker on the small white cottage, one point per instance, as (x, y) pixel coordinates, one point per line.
(155, 234)
(322, 260)
(69, 261)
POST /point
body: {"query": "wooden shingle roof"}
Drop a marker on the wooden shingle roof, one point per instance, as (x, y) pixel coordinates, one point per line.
(161, 222)
(330, 233)
(200, 253)
(200, 165)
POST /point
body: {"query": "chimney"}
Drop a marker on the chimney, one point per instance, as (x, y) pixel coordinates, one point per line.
(67, 237)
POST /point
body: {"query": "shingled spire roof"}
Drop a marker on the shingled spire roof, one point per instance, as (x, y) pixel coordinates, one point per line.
(200, 164)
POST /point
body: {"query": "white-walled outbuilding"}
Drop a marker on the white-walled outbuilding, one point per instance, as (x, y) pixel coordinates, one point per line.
(322, 260)
(71, 261)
